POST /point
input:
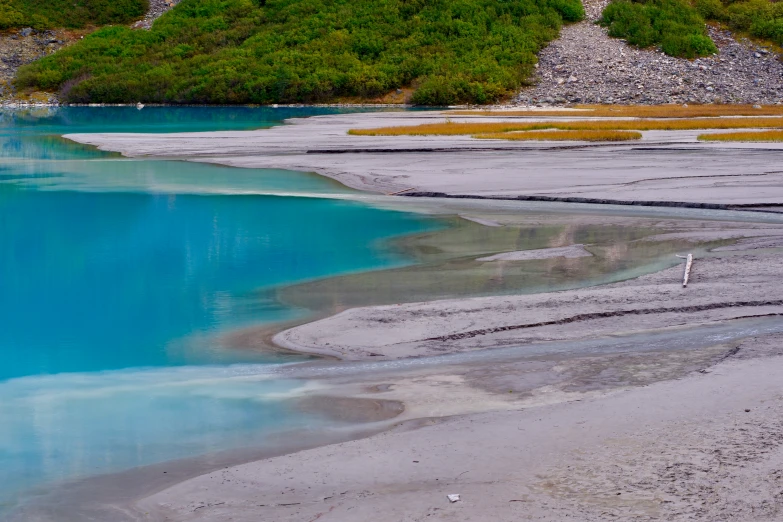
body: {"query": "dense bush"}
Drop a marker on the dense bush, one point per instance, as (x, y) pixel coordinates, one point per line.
(45, 14)
(759, 18)
(10, 15)
(674, 25)
(678, 26)
(283, 51)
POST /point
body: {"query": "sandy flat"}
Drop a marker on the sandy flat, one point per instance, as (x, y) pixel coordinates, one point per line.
(663, 166)
(645, 454)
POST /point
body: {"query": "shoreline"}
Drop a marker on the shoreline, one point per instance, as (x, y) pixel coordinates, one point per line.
(602, 396)
(664, 167)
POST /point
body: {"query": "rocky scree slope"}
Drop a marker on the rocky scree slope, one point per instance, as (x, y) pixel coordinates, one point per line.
(23, 46)
(585, 65)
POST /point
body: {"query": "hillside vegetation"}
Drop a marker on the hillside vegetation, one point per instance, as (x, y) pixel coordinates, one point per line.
(678, 26)
(757, 18)
(48, 14)
(672, 24)
(287, 51)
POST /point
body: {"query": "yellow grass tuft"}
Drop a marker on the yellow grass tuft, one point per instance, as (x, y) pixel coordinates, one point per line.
(563, 135)
(451, 128)
(638, 111)
(773, 135)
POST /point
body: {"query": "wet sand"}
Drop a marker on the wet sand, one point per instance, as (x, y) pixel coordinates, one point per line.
(720, 288)
(650, 433)
(704, 447)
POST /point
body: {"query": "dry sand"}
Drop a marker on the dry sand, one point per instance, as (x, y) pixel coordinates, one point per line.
(650, 433)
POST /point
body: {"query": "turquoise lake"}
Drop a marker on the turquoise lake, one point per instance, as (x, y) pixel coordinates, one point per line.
(118, 278)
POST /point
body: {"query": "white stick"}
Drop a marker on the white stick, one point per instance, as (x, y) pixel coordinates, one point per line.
(688, 265)
(399, 191)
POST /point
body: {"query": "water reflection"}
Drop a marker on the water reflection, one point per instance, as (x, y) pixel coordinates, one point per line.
(447, 265)
(110, 280)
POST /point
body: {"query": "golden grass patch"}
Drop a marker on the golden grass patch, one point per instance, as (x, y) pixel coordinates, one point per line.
(637, 111)
(563, 135)
(452, 129)
(773, 135)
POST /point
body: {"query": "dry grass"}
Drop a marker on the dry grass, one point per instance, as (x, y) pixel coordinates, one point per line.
(453, 129)
(563, 135)
(773, 135)
(651, 111)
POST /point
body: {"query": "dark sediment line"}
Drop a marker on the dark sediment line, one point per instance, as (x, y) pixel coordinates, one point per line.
(748, 207)
(668, 146)
(601, 315)
(731, 353)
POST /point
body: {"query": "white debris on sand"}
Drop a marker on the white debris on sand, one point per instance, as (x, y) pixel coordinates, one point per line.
(572, 251)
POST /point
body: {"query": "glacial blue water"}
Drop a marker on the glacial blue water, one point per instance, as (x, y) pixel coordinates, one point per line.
(118, 278)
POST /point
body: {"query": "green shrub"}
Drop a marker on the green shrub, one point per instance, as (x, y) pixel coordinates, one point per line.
(570, 11)
(759, 18)
(675, 26)
(290, 51)
(9, 15)
(47, 14)
(687, 46)
(637, 21)
(709, 9)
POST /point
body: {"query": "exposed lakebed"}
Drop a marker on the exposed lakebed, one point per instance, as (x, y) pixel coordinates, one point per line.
(120, 280)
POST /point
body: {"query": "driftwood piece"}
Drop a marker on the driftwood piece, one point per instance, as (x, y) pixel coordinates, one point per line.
(687, 274)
